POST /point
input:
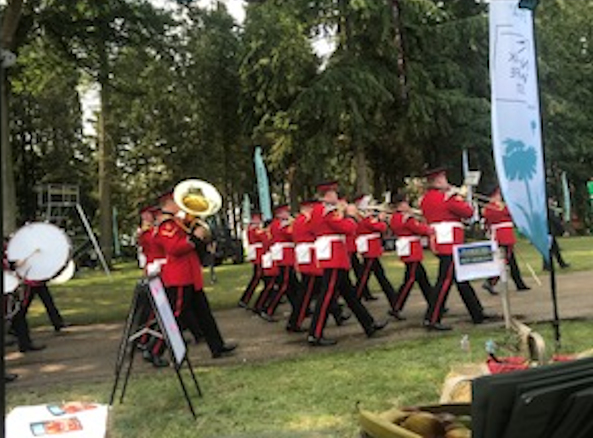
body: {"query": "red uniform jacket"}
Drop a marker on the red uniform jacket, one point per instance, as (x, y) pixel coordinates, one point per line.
(282, 244)
(150, 249)
(444, 212)
(304, 239)
(269, 267)
(331, 230)
(408, 231)
(255, 250)
(499, 222)
(351, 239)
(183, 265)
(369, 241)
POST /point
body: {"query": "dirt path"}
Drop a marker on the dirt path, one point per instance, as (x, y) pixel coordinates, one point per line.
(87, 353)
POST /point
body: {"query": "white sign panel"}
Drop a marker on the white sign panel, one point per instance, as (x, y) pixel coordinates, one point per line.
(60, 420)
(170, 323)
(516, 120)
(477, 260)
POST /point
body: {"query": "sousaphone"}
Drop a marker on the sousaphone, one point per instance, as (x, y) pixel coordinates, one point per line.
(198, 199)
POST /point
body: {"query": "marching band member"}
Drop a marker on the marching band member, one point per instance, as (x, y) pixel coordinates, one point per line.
(306, 265)
(444, 210)
(254, 255)
(357, 266)
(331, 227)
(369, 244)
(283, 255)
(270, 272)
(409, 231)
(500, 225)
(182, 277)
(151, 256)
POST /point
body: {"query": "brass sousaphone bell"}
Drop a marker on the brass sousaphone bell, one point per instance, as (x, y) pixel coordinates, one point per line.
(198, 199)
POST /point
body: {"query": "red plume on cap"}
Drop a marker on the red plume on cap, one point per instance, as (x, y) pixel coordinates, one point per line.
(327, 186)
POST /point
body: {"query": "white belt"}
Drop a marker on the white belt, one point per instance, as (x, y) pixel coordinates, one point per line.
(362, 242)
(323, 245)
(303, 252)
(444, 231)
(496, 227)
(278, 248)
(154, 268)
(403, 245)
(252, 250)
(409, 238)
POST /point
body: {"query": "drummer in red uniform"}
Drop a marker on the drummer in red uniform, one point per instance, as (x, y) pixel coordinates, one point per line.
(500, 225)
(254, 255)
(331, 227)
(444, 210)
(369, 243)
(409, 232)
(283, 255)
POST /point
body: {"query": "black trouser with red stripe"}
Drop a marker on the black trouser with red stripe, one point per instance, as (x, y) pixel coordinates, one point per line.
(515, 271)
(270, 283)
(357, 267)
(180, 298)
(43, 291)
(289, 286)
(441, 292)
(336, 281)
(374, 265)
(311, 285)
(258, 273)
(206, 322)
(415, 273)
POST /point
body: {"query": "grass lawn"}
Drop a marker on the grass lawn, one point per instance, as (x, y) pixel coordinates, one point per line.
(92, 298)
(315, 395)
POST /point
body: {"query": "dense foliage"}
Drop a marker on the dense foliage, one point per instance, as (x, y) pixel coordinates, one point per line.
(186, 91)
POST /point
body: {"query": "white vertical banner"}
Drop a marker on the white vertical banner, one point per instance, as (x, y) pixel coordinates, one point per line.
(516, 120)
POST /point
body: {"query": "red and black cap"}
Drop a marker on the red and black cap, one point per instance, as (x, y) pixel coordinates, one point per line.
(399, 198)
(327, 186)
(308, 202)
(256, 215)
(432, 173)
(491, 189)
(165, 195)
(282, 208)
(149, 209)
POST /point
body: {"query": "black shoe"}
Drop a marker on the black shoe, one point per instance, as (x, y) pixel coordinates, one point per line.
(523, 288)
(159, 362)
(486, 317)
(345, 316)
(292, 329)
(438, 327)
(32, 347)
(60, 327)
(321, 342)
(263, 315)
(489, 287)
(141, 347)
(242, 305)
(397, 315)
(9, 377)
(564, 265)
(376, 327)
(147, 356)
(224, 350)
(371, 298)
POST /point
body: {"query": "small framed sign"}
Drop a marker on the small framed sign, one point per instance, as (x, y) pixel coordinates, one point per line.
(477, 260)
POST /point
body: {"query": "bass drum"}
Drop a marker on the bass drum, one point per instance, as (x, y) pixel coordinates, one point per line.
(66, 274)
(11, 282)
(39, 250)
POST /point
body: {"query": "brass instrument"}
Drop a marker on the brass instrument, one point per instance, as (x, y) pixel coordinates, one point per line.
(198, 200)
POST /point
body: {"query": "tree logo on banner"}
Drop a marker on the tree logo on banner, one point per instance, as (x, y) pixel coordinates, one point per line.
(520, 164)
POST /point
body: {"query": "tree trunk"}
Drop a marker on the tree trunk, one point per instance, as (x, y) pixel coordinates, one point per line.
(10, 23)
(362, 170)
(106, 159)
(9, 209)
(398, 41)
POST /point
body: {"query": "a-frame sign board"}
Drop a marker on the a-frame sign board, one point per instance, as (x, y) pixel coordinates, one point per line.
(150, 298)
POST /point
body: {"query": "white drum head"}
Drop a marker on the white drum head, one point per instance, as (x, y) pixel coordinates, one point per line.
(40, 250)
(66, 274)
(11, 282)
